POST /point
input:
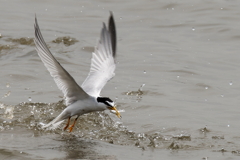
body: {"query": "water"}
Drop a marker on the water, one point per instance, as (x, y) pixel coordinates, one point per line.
(177, 80)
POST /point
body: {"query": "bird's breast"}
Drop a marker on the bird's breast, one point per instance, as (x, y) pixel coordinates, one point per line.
(83, 106)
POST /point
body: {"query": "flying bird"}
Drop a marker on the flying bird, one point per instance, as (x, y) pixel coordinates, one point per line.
(85, 98)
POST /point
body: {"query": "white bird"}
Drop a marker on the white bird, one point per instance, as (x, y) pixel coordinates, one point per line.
(84, 99)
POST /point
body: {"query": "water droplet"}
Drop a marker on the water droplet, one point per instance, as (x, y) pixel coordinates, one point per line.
(193, 29)
(172, 8)
(7, 85)
(230, 83)
(228, 125)
(29, 99)
(205, 100)
(120, 18)
(178, 76)
(144, 72)
(222, 95)
(221, 8)
(46, 9)
(7, 94)
(121, 110)
(206, 87)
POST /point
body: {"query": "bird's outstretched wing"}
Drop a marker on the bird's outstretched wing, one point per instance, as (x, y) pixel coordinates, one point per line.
(65, 82)
(103, 60)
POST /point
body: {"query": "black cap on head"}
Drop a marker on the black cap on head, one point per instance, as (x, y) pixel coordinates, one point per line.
(105, 100)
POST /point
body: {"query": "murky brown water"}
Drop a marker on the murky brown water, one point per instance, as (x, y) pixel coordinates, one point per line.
(178, 80)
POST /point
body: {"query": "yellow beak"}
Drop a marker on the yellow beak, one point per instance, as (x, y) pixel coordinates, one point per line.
(117, 113)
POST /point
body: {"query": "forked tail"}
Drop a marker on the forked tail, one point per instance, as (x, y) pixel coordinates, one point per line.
(56, 121)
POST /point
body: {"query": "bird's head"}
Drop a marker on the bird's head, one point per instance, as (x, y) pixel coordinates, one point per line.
(109, 104)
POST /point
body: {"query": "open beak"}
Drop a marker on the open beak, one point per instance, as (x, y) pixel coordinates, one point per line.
(116, 111)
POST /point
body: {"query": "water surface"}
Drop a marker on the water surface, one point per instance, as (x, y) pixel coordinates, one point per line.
(177, 80)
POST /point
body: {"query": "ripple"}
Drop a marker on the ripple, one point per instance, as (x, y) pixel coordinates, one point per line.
(217, 137)
(184, 137)
(6, 47)
(67, 41)
(203, 86)
(88, 49)
(184, 72)
(22, 41)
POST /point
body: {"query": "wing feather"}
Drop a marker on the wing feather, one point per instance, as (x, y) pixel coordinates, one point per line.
(103, 60)
(65, 82)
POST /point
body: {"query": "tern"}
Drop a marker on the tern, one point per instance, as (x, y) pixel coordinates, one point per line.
(85, 98)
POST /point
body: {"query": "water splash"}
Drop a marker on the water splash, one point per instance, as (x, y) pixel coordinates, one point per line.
(136, 93)
(8, 111)
(97, 126)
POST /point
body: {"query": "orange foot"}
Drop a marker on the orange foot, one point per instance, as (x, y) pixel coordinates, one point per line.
(70, 128)
(67, 124)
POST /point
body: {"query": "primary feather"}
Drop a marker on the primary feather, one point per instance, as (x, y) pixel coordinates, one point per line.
(103, 61)
(65, 82)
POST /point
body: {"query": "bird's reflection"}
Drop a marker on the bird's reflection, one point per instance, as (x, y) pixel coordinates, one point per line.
(77, 148)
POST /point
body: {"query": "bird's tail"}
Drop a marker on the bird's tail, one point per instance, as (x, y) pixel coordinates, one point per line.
(56, 121)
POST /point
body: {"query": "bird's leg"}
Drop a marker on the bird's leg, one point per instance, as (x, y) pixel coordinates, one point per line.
(67, 124)
(71, 126)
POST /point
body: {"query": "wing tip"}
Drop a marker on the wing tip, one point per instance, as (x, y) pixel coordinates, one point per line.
(112, 31)
(35, 24)
(111, 14)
